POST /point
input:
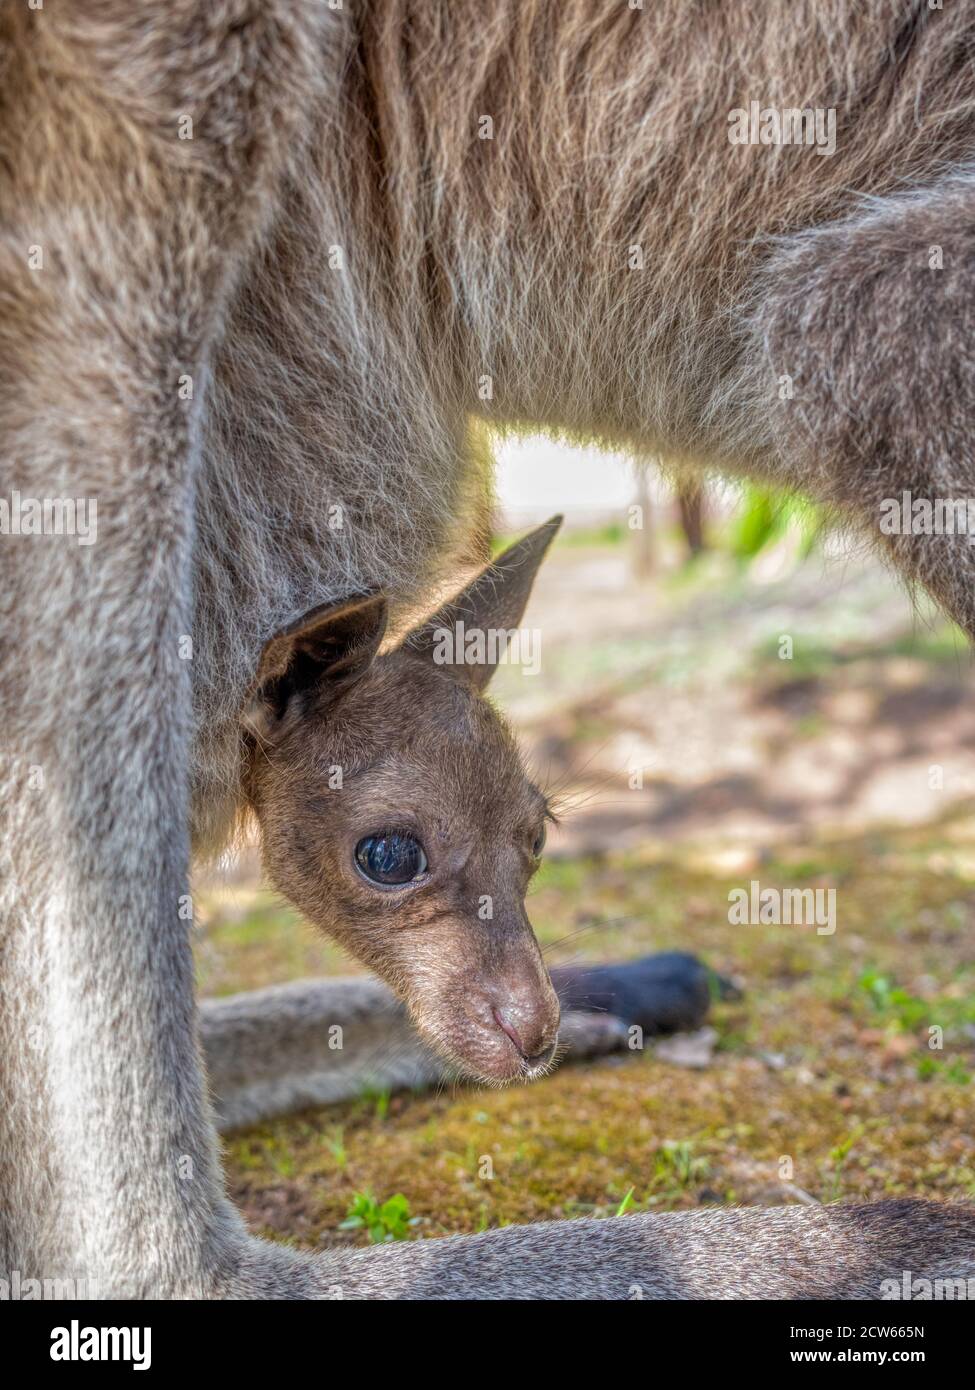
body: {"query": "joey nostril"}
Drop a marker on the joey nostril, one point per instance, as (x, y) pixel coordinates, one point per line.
(542, 1059)
(508, 1028)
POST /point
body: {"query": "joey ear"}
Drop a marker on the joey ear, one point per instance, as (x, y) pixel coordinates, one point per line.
(329, 648)
(491, 606)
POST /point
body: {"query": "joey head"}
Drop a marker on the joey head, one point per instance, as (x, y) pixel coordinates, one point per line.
(396, 813)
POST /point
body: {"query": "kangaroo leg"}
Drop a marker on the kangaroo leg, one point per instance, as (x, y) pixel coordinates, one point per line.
(314, 1042)
(867, 334)
(117, 245)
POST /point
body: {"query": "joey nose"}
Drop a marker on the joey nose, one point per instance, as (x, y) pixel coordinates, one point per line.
(535, 1038)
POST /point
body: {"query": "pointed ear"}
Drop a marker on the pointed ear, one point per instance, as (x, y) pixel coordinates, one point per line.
(493, 602)
(327, 650)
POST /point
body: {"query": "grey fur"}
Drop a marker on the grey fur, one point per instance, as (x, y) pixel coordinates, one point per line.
(209, 259)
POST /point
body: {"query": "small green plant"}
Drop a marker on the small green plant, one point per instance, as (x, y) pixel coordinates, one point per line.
(930, 1068)
(378, 1097)
(626, 1203)
(280, 1157)
(677, 1166)
(894, 1004)
(838, 1155)
(335, 1143)
(386, 1221)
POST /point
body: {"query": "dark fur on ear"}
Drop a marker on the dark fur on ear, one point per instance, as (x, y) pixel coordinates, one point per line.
(494, 600)
(326, 650)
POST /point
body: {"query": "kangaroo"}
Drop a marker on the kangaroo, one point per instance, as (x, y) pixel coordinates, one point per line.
(396, 814)
(260, 267)
(436, 831)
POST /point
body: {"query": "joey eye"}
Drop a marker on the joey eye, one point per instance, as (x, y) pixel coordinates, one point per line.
(390, 858)
(539, 844)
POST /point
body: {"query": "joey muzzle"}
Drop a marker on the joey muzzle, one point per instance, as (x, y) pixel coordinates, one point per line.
(515, 998)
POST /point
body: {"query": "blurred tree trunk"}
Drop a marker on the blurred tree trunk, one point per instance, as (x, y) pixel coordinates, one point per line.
(690, 502)
(643, 534)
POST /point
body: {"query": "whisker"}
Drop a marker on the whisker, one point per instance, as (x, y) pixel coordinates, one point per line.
(592, 926)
